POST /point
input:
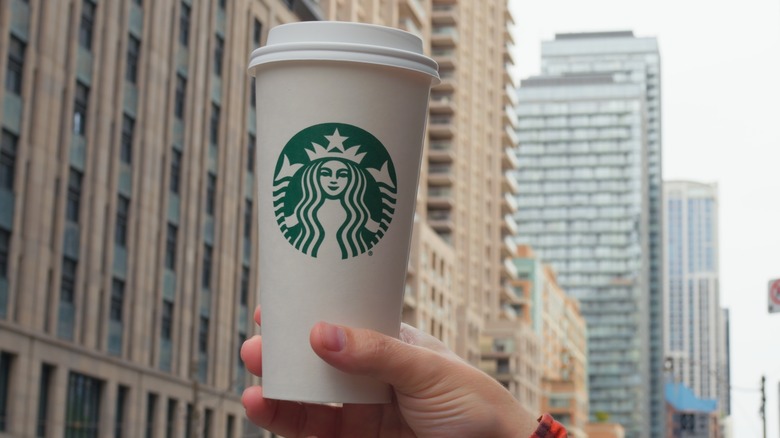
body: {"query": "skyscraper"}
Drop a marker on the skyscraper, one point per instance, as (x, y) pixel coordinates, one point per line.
(632, 60)
(697, 327)
(583, 209)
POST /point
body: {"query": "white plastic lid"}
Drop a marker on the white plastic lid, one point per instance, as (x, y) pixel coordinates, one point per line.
(344, 41)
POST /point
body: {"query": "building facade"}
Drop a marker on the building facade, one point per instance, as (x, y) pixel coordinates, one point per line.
(688, 416)
(634, 60)
(583, 208)
(127, 235)
(697, 327)
(128, 238)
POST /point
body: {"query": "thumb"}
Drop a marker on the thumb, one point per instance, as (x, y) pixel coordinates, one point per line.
(408, 368)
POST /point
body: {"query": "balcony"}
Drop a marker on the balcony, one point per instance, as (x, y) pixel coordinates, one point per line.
(509, 160)
(441, 221)
(444, 36)
(446, 58)
(508, 247)
(413, 8)
(410, 302)
(442, 103)
(444, 14)
(510, 96)
(510, 116)
(509, 270)
(510, 295)
(509, 54)
(509, 204)
(510, 137)
(510, 19)
(509, 184)
(508, 312)
(441, 127)
(508, 225)
(441, 152)
(448, 80)
(410, 26)
(508, 33)
(440, 198)
(440, 175)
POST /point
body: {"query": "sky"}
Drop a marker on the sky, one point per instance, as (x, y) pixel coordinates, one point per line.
(720, 76)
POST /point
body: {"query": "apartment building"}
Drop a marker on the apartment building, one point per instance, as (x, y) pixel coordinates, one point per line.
(127, 202)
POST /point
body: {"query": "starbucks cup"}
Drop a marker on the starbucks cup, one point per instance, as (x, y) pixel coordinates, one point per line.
(341, 112)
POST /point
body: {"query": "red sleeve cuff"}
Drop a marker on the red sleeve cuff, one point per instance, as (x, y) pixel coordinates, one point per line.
(549, 428)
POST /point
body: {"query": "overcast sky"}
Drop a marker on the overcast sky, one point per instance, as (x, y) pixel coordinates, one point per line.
(720, 88)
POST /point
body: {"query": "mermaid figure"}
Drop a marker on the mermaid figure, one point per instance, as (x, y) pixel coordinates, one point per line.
(332, 215)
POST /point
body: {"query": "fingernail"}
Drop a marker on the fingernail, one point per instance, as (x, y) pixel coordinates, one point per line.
(333, 337)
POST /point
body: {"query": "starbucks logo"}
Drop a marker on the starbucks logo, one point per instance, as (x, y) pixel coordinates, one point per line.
(334, 191)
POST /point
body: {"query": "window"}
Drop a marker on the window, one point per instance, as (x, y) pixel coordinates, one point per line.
(43, 399)
(74, 195)
(167, 320)
(211, 193)
(175, 171)
(170, 418)
(5, 378)
(170, 247)
(117, 299)
(214, 131)
(8, 143)
(257, 33)
(244, 297)
(68, 283)
(122, 212)
(230, 426)
(82, 411)
(219, 52)
(128, 127)
(151, 406)
(252, 94)
(188, 421)
(203, 335)
(133, 52)
(119, 419)
(80, 108)
(5, 249)
(248, 219)
(208, 413)
(250, 155)
(87, 24)
(184, 25)
(222, 4)
(13, 76)
(206, 278)
(181, 90)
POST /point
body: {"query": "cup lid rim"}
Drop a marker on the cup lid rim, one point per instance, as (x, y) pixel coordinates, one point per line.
(285, 45)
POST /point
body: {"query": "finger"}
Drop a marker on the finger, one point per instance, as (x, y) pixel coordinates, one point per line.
(287, 418)
(252, 355)
(415, 336)
(410, 369)
(257, 316)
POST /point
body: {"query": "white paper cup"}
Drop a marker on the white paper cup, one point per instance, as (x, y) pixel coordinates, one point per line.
(341, 112)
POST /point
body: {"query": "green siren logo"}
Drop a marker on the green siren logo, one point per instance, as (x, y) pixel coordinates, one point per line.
(334, 191)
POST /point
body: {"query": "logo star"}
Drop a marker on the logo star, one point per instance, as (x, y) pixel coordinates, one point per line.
(336, 141)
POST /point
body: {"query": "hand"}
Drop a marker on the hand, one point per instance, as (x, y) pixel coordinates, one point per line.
(436, 393)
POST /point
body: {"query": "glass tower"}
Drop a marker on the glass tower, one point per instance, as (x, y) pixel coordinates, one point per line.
(632, 60)
(583, 208)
